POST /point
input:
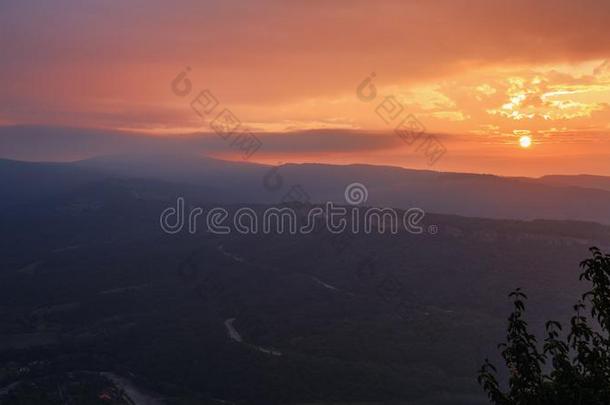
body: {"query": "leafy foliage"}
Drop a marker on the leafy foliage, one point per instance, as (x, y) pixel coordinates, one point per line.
(578, 363)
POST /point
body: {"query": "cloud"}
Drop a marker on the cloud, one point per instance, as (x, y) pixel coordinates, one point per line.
(18, 141)
(478, 68)
(276, 51)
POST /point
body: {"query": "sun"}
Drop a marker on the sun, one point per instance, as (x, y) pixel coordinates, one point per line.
(525, 141)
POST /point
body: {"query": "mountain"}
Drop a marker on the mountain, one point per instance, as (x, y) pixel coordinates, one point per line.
(454, 193)
(583, 180)
(183, 168)
(451, 193)
(22, 182)
(89, 283)
(31, 182)
(179, 159)
(465, 194)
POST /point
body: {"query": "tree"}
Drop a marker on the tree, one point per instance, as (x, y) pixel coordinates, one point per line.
(578, 363)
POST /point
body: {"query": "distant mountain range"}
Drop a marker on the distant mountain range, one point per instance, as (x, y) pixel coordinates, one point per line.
(169, 160)
(580, 198)
(583, 180)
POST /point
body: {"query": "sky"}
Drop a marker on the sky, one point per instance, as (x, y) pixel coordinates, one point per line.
(478, 76)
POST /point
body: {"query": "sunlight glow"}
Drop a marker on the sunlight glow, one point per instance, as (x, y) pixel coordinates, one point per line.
(525, 141)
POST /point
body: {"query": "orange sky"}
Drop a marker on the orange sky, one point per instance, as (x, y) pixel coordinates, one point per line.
(477, 74)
